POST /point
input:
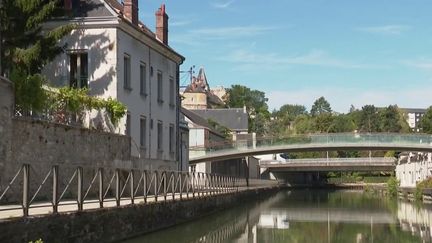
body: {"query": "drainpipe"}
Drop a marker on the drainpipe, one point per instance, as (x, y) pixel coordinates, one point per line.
(178, 140)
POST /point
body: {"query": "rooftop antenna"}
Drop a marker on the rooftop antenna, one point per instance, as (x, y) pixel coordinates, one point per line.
(191, 71)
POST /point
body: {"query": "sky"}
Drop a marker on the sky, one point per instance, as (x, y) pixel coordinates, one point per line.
(351, 52)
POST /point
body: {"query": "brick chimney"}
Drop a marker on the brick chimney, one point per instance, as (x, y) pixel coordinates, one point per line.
(130, 10)
(162, 25)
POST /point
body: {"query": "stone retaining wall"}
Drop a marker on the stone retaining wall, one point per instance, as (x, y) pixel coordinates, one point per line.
(115, 224)
(43, 144)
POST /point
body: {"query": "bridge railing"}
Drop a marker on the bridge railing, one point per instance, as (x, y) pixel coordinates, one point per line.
(333, 139)
(76, 188)
(384, 160)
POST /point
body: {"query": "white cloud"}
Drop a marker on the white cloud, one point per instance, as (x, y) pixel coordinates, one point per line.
(341, 99)
(386, 29)
(222, 5)
(247, 59)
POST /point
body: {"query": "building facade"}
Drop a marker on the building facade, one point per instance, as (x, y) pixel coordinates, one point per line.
(413, 167)
(115, 55)
(413, 117)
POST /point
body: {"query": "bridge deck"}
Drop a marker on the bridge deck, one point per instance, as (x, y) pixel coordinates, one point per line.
(315, 142)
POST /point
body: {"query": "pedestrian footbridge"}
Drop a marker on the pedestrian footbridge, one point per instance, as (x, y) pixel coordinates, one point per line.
(331, 164)
(312, 142)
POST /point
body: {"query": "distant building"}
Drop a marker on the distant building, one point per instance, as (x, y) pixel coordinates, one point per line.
(414, 116)
(115, 55)
(198, 95)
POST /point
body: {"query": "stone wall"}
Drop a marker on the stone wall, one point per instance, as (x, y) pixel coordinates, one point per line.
(115, 224)
(6, 109)
(43, 144)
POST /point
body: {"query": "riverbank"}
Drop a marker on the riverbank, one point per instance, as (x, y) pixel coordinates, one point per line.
(115, 224)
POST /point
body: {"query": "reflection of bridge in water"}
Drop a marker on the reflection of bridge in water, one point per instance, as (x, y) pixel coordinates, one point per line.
(331, 215)
(314, 142)
(245, 228)
(331, 164)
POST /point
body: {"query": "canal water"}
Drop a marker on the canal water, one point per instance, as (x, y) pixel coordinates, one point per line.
(308, 216)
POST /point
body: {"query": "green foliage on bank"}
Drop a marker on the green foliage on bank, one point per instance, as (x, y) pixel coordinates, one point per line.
(392, 186)
(427, 183)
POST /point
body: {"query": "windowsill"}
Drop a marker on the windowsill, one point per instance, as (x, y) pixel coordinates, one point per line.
(172, 106)
(127, 88)
(144, 95)
(160, 101)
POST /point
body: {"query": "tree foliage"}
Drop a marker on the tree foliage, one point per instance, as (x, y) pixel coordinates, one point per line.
(390, 119)
(320, 106)
(426, 121)
(239, 96)
(369, 119)
(26, 48)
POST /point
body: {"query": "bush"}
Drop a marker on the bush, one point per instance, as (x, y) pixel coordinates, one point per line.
(392, 186)
(427, 183)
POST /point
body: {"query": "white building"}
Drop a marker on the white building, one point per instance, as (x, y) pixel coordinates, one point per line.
(413, 167)
(413, 117)
(115, 55)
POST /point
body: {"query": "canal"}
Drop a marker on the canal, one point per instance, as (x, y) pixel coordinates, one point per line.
(308, 216)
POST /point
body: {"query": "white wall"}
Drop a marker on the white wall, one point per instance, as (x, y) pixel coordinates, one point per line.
(100, 44)
(412, 171)
(139, 105)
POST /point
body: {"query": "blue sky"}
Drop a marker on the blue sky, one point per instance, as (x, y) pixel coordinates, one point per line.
(351, 52)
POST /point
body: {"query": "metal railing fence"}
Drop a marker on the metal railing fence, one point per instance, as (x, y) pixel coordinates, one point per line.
(113, 185)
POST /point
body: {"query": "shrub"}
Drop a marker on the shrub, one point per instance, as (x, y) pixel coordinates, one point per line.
(392, 186)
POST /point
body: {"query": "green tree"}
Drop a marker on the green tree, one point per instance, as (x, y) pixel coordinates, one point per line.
(304, 124)
(323, 122)
(255, 102)
(26, 48)
(284, 118)
(426, 121)
(320, 106)
(369, 119)
(390, 119)
(290, 111)
(342, 123)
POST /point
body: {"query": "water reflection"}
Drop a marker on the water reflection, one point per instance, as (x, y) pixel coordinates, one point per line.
(308, 216)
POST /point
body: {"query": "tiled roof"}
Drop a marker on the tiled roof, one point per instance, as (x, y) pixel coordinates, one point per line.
(235, 118)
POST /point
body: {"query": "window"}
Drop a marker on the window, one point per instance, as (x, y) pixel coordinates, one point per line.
(160, 86)
(143, 80)
(78, 73)
(128, 124)
(143, 131)
(172, 138)
(160, 136)
(172, 92)
(127, 72)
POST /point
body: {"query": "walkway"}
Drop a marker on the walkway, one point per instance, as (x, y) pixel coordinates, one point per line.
(313, 142)
(126, 187)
